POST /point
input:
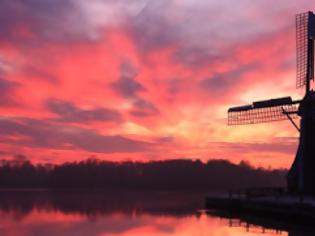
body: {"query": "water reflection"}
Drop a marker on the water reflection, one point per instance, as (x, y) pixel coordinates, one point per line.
(97, 204)
(118, 213)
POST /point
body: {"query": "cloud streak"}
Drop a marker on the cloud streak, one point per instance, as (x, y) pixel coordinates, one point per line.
(68, 112)
(43, 134)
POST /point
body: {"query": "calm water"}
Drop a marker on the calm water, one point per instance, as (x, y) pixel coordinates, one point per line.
(46, 213)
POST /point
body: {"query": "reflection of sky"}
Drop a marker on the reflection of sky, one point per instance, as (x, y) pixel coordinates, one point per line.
(40, 222)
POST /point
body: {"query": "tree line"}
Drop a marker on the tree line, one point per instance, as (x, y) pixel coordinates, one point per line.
(182, 175)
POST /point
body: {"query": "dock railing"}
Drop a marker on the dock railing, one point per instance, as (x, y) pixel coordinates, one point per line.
(256, 192)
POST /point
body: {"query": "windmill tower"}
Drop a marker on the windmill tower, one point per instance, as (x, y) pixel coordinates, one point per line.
(301, 177)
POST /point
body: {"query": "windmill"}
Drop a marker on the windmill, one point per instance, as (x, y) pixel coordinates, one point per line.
(301, 177)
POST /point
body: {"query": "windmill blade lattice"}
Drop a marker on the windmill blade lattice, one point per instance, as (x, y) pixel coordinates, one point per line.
(263, 111)
(305, 23)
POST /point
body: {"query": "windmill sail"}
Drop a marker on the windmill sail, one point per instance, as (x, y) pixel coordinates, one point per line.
(263, 111)
(301, 175)
(305, 27)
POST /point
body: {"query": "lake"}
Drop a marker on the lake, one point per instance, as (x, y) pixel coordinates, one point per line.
(65, 213)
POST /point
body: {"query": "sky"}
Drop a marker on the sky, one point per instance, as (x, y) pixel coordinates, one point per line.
(145, 80)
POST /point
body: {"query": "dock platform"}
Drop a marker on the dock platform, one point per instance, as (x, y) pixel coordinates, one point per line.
(276, 204)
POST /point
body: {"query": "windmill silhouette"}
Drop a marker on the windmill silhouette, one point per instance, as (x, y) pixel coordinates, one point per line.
(301, 177)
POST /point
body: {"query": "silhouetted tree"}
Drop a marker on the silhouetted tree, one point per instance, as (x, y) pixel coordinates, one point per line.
(156, 175)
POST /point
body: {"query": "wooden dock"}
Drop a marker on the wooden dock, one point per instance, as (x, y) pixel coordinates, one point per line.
(264, 203)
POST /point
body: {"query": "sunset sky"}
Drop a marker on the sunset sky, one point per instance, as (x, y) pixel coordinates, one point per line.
(145, 79)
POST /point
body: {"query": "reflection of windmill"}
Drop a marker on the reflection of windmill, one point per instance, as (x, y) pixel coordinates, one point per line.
(302, 172)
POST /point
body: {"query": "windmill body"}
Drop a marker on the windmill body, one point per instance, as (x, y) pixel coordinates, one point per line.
(301, 177)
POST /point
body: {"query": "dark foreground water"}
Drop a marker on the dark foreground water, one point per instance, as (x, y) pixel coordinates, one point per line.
(46, 213)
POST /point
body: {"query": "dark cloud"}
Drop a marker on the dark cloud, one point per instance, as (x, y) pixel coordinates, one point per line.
(224, 83)
(166, 23)
(166, 139)
(68, 112)
(7, 89)
(196, 57)
(44, 134)
(153, 24)
(29, 23)
(153, 27)
(127, 86)
(218, 82)
(276, 145)
(143, 108)
(200, 33)
(6, 85)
